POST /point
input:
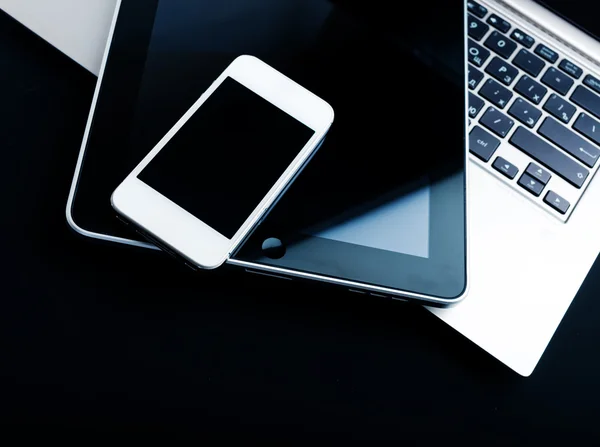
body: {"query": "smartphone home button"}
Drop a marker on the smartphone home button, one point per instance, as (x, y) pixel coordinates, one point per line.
(273, 248)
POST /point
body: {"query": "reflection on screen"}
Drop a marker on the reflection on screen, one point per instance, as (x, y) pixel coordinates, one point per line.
(401, 225)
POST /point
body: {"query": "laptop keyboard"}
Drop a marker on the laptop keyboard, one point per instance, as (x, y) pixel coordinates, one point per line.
(534, 113)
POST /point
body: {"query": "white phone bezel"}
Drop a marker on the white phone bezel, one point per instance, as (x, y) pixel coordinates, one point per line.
(178, 229)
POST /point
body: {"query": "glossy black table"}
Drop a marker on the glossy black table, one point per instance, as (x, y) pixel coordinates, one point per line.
(103, 339)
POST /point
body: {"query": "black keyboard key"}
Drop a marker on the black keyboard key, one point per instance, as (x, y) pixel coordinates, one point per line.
(504, 167)
(475, 77)
(545, 52)
(546, 154)
(495, 93)
(482, 144)
(559, 108)
(557, 202)
(557, 81)
(570, 68)
(502, 71)
(524, 39)
(500, 44)
(588, 126)
(592, 83)
(525, 112)
(477, 9)
(529, 62)
(497, 122)
(477, 54)
(531, 185)
(498, 23)
(587, 100)
(570, 142)
(531, 89)
(539, 173)
(477, 28)
(475, 105)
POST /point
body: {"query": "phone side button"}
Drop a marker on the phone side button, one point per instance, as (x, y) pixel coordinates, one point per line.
(379, 295)
(122, 220)
(362, 292)
(391, 297)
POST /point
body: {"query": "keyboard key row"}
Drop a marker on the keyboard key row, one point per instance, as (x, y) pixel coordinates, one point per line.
(549, 156)
(535, 178)
(534, 92)
(570, 142)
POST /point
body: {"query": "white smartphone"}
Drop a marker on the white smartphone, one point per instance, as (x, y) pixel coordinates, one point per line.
(216, 173)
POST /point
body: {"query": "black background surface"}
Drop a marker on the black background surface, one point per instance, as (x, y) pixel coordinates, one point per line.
(93, 340)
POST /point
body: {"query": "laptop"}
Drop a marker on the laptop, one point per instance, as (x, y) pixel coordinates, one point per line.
(534, 199)
(77, 28)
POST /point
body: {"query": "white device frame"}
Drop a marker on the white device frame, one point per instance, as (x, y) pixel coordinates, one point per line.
(179, 230)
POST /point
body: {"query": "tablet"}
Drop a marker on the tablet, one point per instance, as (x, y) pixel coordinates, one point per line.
(382, 206)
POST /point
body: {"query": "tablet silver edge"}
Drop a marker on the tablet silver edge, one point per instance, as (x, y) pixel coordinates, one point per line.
(75, 181)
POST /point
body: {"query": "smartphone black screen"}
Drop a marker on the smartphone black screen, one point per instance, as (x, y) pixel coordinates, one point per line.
(227, 156)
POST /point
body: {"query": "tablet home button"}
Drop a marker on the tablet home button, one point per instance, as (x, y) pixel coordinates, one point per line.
(273, 248)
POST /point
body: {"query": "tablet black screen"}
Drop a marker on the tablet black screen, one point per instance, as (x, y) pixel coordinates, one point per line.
(383, 201)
